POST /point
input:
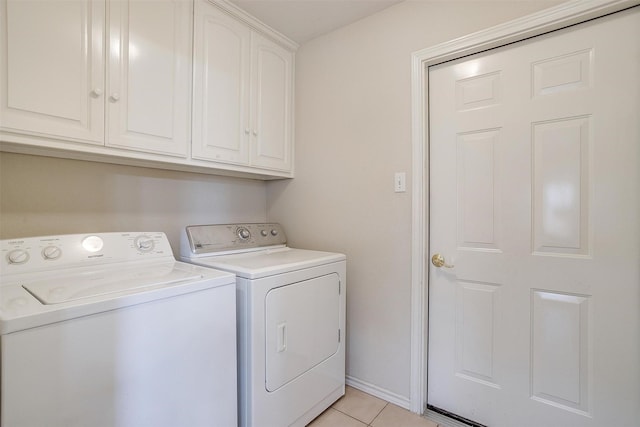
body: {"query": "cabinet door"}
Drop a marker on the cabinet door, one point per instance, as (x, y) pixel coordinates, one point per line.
(221, 86)
(272, 100)
(148, 85)
(52, 68)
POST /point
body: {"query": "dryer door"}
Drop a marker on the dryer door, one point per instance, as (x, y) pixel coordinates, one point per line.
(302, 327)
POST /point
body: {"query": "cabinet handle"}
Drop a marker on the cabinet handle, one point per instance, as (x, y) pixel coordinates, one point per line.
(97, 91)
(115, 96)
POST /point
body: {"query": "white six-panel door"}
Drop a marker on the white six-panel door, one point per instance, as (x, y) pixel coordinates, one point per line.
(535, 203)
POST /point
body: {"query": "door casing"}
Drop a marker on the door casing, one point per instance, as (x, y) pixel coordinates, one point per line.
(554, 18)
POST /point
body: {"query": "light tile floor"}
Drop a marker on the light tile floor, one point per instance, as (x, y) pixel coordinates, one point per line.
(359, 409)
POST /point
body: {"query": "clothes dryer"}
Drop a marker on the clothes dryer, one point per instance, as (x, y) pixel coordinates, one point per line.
(110, 330)
(291, 320)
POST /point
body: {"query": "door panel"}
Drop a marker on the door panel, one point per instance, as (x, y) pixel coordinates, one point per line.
(475, 331)
(561, 186)
(478, 192)
(559, 349)
(535, 203)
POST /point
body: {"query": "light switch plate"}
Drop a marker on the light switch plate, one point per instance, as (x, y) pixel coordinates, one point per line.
(400, 179)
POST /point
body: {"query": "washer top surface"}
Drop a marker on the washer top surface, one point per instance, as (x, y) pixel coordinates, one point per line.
(55, 278)
(268, 262)
(95, 282)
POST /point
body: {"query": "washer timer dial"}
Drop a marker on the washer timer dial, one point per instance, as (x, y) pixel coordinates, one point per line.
(145, 243)
(243, 233)
(18, 256)
(51, 252)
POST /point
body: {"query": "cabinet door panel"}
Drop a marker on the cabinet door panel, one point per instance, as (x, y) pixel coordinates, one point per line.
(148, 93)
(52, 72)
(272, 103)
(221, 81)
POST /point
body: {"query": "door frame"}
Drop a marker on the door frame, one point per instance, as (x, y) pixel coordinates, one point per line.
(560, 16)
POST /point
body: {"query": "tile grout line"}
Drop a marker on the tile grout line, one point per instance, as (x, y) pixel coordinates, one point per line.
(374, 418)
(352, 417)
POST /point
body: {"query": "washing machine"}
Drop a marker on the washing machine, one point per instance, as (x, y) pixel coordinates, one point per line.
(291, 320)
(110, 330)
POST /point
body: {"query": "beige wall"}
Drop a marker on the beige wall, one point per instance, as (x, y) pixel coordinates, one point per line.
(44, 196)
(353, 131)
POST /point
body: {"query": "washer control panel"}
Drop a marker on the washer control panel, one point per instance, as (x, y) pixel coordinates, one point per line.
(201, 239)
(41, 253)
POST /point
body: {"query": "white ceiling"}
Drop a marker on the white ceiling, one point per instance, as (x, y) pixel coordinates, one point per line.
(302, 20)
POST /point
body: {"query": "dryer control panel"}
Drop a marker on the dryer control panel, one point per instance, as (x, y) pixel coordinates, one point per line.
(31, 254)
(215, 238)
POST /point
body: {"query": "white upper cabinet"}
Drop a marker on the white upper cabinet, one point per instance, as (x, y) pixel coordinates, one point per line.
(195, 85)
(149, 75)
(272, 94)
(52, 68)
(122, 80)
(243, 93)
(221, 61)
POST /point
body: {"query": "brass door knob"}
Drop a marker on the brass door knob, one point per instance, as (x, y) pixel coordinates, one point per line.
(438, 261)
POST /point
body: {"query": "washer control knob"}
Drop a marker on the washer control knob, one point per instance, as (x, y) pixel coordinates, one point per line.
(18, 256)
(264, 233)
(274, 232)
(51, 253)
(145, 243)
(243, 233)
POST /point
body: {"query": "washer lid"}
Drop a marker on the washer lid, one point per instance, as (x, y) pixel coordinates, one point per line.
(105, 281)
(254, 265)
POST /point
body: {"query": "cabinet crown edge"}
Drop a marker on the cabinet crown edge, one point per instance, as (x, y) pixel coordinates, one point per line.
(255, 24)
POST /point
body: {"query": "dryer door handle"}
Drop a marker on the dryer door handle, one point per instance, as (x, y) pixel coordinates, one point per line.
(282, 337)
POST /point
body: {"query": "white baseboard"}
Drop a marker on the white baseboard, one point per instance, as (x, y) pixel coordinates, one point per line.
(378, 392)
(401, 401)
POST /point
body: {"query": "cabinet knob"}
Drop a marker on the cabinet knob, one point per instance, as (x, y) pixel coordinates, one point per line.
(255, 132)
(247, 131)
(97, 91)
(115, 96)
